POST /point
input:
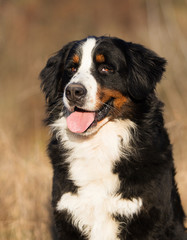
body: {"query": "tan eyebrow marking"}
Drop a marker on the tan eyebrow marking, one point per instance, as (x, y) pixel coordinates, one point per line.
(100, 58)
(76, 59)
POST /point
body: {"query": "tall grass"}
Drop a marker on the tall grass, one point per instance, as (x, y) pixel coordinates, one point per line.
(32, 30)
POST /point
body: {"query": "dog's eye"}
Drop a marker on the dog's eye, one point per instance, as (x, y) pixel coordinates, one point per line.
(106, 69)
(73, 69)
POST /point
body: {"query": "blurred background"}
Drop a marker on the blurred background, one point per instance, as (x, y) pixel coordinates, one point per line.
(30, 32)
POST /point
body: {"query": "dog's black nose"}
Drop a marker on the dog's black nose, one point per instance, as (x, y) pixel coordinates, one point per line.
(75, 92)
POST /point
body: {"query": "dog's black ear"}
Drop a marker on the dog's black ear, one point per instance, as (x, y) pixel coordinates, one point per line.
(51, 75)
(145, 69)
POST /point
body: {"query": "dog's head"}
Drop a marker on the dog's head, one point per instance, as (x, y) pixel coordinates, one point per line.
(92, 80)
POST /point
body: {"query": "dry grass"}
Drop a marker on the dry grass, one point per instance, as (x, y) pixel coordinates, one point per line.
(29, 32)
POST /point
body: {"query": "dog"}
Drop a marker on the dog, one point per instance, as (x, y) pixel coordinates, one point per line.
(114, 176)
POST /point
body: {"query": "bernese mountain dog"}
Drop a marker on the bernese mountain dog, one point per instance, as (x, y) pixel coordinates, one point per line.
(114, 176)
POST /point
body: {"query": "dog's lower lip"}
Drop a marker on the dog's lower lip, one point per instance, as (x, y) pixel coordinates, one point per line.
(101, 113)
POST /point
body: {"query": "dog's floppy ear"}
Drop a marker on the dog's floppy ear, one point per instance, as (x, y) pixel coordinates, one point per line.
(145, 69)
(51, 75)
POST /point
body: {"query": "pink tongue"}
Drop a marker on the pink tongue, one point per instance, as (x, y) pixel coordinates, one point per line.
(78, 122)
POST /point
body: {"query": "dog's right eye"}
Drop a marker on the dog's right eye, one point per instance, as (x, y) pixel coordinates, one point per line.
(73, 69)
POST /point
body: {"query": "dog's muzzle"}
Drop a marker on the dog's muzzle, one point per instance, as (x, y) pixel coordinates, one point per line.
(79, 119)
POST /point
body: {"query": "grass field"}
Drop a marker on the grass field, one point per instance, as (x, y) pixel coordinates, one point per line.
(30, 31)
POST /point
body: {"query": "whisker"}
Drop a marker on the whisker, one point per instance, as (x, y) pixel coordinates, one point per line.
(115, 110)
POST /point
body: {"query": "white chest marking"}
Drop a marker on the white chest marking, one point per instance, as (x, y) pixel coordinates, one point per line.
(91, 163)
(93, 214)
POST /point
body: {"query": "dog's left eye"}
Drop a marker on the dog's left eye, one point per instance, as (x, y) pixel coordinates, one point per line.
(106, 69)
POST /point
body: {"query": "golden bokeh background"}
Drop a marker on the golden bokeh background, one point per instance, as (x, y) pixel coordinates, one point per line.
(30, 32)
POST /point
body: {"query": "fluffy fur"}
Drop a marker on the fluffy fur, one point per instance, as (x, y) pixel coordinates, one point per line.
(116, 179)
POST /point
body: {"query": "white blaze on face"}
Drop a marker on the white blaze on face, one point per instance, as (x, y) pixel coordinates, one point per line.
(84, 75)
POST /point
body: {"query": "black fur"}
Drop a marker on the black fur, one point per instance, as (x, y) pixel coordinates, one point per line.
(149, 171)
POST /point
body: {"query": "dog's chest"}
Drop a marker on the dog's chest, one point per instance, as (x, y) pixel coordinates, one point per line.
(91, 207)
(91, 170)
(96, 203)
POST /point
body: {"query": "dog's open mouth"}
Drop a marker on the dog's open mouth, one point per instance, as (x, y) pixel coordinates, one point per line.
(81, 120)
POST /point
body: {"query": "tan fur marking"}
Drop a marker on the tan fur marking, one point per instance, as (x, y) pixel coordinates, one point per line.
(100, 58)
(118, 102)
(104, 94)
(76, 59)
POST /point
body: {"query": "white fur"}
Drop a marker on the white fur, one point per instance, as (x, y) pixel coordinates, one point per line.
(84, 75)
(93, 214)
(91, 162)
